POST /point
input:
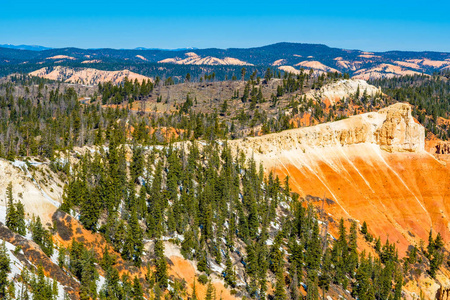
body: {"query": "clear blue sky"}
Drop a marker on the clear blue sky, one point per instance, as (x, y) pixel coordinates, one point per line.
(366, 25)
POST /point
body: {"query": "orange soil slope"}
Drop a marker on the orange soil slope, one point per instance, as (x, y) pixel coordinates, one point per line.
(373, 167)
(400, 195)
(68, 228)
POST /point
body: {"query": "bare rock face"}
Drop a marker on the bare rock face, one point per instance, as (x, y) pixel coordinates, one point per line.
(334, 92)
(399, 132)
(87, 76)
(443, 148)
(34, 184)
(393, 129)
(443, 293)
(373, 168)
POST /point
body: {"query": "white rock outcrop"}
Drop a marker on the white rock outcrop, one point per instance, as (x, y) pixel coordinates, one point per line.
(87, 76)
(341, 89)
(393, 129)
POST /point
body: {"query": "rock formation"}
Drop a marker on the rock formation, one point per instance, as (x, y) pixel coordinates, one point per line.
(334, 92)
(399, 132)
(443, 294)
(372, 166)
(87, 76)
(393, 129)
(34, 184)
(442, 147)
(194, 59)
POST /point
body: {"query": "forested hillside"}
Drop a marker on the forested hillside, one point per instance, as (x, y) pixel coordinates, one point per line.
(226, 62)
(146, 167)
(430, 96)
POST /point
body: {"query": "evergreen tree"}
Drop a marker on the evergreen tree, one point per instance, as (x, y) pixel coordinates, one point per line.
(21, 226)
(229, 273)
(11, 213)
(4, 269)
(137, 289)
(280, 292)
(41, 236)
(312, 292)
(210, 292)
(161, 265)
(352, 258)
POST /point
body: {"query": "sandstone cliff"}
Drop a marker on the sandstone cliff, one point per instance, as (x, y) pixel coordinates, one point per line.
(334, 92)
(194, 59)
(442, 147)
(374, 168)
(34, 184)
(393, 129)
(87, 76)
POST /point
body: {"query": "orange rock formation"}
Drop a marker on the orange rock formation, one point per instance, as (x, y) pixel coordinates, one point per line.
(373, 167)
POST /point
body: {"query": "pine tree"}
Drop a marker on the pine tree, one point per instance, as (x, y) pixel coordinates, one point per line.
(11, 213)
(325, 276)
(42, 289)
(210, 292)
(90, 209)
(352, 258)
(4, 269)
(194, 292)
(295, 294)
(229, 274)
(21, 226)
(312, 284)
(137, 289)
(41, 236)
(134, 244)
(89, 274)
(112, 289)
(313, 249)
(280, 292)
(137, 163)
(161, 265)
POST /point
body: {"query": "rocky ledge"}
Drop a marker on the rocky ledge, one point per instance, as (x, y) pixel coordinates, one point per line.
(393, 129)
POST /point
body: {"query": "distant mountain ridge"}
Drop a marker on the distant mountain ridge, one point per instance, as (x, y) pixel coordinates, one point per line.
(282, 56)
(25, 47)
(177, 49)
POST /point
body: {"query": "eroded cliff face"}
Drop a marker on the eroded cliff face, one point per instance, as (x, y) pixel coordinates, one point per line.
(335, 92)
(374, 168)
(34, 184)
(88, 76)
(442, 147)
(393, 129)
(399, 131)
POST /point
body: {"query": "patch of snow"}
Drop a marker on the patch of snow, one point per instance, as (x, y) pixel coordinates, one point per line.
(54, 257)
(219, 269)
(275, 225)
(269, 242)
(3, 214)
(178, 236)
(15, 264)
(284, 205)
(170, 288)
(100, 283)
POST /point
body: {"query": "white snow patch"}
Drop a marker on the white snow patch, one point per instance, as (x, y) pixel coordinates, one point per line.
(217, 268)
(3, 214)
(100, 283)
(275, 225)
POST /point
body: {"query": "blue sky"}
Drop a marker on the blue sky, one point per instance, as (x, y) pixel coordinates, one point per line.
(366, 25)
